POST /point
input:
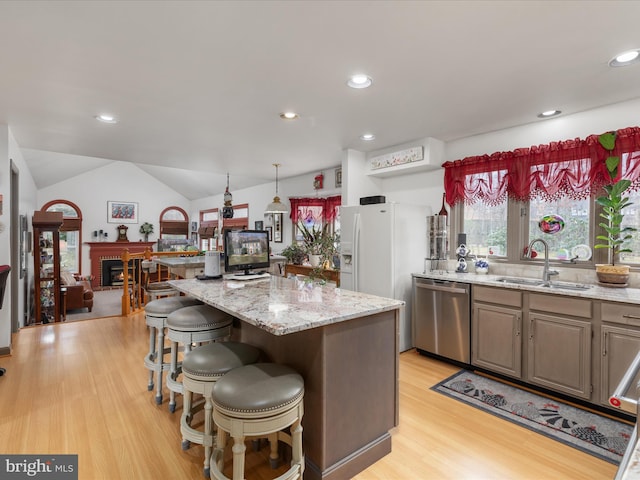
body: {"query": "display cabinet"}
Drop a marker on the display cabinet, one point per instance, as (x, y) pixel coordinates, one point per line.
(46, 257)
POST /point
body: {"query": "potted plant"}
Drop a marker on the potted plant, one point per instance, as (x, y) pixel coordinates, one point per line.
(612, 205)
(146, 228)
(319, 243)
(294, 254)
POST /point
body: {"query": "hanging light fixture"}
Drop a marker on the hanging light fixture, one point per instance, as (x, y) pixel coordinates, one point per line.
(227, 210)
(276, 206)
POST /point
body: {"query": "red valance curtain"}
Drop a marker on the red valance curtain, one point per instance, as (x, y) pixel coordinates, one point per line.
(571, 168)
(329, 207)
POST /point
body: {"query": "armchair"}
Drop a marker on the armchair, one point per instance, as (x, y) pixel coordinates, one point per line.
(79, 292)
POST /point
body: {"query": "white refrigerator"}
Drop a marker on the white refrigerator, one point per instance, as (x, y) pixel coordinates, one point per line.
(381, 245)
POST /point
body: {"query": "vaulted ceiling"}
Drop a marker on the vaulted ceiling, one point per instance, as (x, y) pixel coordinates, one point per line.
(197, 87)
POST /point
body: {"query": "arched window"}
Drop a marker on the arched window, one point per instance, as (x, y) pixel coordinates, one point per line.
(174, 224)
(70, 234)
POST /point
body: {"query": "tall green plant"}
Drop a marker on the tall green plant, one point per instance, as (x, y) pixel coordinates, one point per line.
(613, 203)
(318, 241)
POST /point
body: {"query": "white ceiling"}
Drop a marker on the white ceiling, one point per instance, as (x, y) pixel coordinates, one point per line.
(198, 86)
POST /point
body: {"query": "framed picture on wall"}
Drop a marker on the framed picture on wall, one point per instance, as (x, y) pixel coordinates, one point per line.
(270, 230)
(122, 212)
(259, 225)
(277, 227)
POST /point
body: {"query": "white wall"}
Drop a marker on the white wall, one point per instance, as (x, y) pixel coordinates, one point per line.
(27, 201)
(117, 181)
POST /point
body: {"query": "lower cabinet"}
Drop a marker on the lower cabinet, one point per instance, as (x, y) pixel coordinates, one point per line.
(575, 346)
(497, 339)
(620, 343)
(559, 354)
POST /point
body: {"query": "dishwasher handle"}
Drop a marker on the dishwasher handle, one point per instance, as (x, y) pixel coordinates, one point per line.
(441, 288)
(618, 398)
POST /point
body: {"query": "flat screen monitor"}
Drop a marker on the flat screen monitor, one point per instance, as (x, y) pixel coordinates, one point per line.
(246, 250)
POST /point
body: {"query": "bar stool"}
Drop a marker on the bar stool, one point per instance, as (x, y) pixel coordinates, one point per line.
(258, 400)
(189, 325)
(201, 369)
(155, 290)
(156, 313)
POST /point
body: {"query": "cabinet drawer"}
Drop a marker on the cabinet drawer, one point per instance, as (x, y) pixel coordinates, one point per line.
(560, 305)
(621, 313)
(501, 296)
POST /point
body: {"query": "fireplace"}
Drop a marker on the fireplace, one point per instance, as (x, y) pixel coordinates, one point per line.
(101, 251)
(113, 273)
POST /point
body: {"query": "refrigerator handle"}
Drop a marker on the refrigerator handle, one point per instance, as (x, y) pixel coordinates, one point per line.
(356, 251)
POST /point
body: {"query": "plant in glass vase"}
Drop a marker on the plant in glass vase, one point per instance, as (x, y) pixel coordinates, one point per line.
(612, 205)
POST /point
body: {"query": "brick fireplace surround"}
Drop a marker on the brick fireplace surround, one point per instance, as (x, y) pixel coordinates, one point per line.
(99, 251)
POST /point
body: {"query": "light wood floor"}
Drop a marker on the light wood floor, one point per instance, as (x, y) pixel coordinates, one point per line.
(82, 388)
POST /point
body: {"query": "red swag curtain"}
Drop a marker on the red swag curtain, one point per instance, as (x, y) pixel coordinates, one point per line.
(571, 168)
(329, 207)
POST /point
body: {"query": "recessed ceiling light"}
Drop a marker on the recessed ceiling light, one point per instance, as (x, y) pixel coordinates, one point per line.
(625, 58)
(288, 115)
(359, 81)
(104, 118)
(367, 137)
(549, 113)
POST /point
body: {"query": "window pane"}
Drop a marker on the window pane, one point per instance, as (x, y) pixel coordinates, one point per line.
(562, 245)
(486, 229)
(69, 251)
(632, 219)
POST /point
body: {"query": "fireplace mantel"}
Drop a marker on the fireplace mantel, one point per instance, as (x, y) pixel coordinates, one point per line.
(99, 251)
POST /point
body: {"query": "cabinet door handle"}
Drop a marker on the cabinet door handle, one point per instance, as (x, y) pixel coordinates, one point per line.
(530, 328)
(519, 320)
(604, 344)
(627, 315)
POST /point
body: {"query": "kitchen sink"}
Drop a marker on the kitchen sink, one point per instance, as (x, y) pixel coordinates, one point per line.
(520, 281)
(570, 286)
(539, 283)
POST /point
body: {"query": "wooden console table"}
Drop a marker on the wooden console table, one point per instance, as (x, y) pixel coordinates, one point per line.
(331, 275)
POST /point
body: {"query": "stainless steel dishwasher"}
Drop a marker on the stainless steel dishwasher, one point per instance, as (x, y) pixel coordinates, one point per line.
(442, 318)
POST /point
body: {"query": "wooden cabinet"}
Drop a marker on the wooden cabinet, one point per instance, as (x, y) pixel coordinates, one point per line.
(46, 257)
(496, 330)
(619, 344)
(559, 344)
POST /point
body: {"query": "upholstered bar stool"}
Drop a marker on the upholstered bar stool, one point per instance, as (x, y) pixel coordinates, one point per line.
(258, 400)
(155, 290)
(156, 314)
(201, 369)
(189, 325)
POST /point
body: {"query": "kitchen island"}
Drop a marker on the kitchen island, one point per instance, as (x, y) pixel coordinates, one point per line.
(184, 267)
(344, 344)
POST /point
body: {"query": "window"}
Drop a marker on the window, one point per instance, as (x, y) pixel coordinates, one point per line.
(70, 234)
(208, 231)
(174, 224)
(314, 213)
(565, 244)
(500, 199)
(632, 219)
(486, 229)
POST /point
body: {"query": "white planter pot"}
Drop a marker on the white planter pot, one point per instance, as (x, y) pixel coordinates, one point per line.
(314, 260)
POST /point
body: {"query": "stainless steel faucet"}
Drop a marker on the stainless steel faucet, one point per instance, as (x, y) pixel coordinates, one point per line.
(546, 273)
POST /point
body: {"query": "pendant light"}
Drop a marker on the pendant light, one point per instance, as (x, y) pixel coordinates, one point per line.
(276, 206)
(227, 210)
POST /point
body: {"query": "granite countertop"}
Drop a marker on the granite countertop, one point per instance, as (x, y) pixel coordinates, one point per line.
(596, 292)
(281, 306)
(193, 261)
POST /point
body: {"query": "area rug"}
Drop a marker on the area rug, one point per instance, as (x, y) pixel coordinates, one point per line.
(106, 303)
(592, 433)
